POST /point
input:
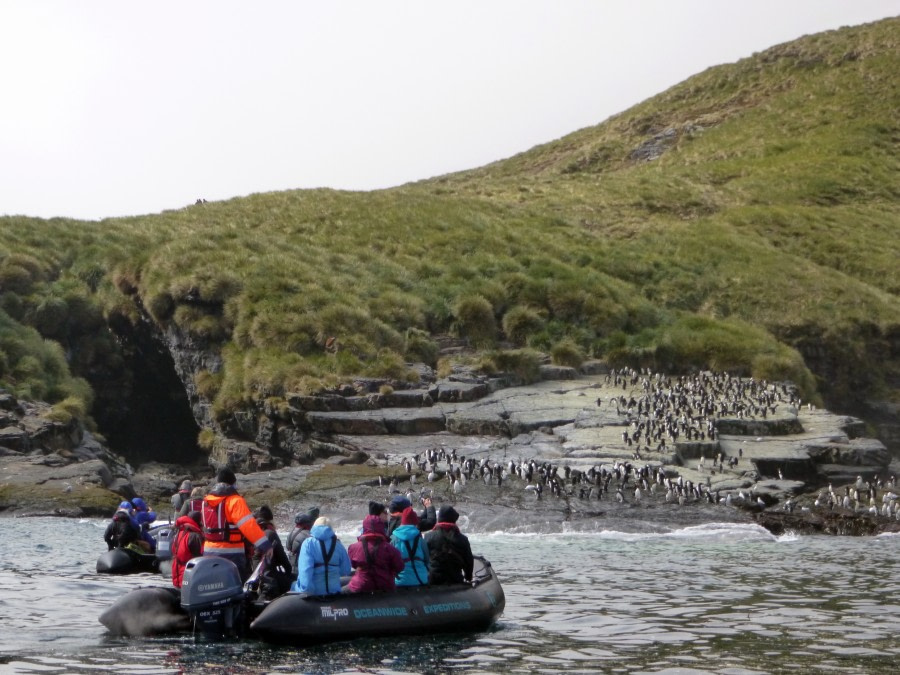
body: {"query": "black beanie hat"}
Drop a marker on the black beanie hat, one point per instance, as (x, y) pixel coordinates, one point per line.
(304, 519)
(264, 512)
(447, 514)
(226, 475)
(376, 508)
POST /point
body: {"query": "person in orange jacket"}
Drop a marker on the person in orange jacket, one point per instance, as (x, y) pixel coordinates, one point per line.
(227, 522)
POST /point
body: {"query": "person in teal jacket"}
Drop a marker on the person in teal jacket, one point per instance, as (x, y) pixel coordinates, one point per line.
(321, 562)
(408, 540)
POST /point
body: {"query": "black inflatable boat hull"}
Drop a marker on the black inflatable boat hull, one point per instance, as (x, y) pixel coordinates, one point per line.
(125, 561)
(147, 611)
(128, 561)
(298, 619)
(301, 620)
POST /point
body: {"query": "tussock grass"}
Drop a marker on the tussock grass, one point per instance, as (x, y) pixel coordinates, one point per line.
(743, 220)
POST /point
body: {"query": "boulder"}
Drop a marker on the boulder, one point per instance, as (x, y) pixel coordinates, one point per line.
(855, 452)
(554, 372)
(785, 425)
(452, 392)
(351, 422)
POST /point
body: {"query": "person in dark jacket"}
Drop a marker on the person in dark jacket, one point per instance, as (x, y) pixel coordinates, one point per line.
(395, 511)
(122, 530)
(276, 577)
(408, 540)
(181, 497)
(193, 503)
(186, 545)
(322, 561)
(449, 549)
(303, 523)
(375, 559)
(427, 516)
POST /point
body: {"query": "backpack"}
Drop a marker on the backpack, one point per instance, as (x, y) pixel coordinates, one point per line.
(215, 524)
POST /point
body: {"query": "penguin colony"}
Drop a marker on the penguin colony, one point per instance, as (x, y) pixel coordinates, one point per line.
(657, 410)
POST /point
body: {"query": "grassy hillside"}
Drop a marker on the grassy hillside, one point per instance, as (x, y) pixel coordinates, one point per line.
(745, 219)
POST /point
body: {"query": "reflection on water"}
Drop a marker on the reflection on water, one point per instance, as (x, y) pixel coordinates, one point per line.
(711, 599)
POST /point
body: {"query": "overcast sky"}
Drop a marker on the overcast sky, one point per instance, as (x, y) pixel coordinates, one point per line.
(114, 108)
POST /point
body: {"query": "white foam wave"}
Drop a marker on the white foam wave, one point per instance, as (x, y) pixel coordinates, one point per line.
(716, 531)
(724, 531)
(787, 538)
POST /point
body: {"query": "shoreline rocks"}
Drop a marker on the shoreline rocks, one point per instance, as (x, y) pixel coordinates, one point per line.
(579, 422)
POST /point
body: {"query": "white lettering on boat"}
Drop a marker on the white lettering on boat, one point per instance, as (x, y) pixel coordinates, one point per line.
(447, 607)
(378, 612)
(334, 612)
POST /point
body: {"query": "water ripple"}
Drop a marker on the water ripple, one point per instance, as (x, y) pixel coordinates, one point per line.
(721, 598)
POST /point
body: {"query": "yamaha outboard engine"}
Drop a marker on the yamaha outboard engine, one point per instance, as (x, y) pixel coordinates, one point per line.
(212, 594)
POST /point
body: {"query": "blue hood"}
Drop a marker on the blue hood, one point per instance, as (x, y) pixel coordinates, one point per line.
(322, 532)
(406, 532)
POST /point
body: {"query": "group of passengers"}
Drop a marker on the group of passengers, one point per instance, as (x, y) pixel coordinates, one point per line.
(396, 547)
(130, 527)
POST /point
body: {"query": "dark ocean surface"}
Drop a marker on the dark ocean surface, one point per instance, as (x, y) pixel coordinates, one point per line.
(718, 598)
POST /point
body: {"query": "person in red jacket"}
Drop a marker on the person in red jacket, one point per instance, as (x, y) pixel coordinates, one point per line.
(375, 559)
(227, 521)
(187, 544)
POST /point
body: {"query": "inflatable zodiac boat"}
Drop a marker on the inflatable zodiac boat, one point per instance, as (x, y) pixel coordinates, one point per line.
(129, 560)
(212, 602)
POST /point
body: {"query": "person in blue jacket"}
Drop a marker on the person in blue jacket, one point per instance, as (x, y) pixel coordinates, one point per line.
(408, 540)
(144, 517)
(322, 561)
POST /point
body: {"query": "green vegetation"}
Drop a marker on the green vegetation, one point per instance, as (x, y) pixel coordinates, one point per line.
(744, 220)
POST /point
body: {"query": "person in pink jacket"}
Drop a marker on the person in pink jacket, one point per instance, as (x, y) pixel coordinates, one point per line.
(374, 558)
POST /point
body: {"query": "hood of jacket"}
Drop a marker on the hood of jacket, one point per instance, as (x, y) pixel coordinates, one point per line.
(406, 532)
(373, 525)
(187, 523)
(322, 532)
(221, 490)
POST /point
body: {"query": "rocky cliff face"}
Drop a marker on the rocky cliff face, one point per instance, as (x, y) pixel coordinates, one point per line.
(54, 467)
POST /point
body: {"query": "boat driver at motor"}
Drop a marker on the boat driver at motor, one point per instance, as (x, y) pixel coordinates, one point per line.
(122, 530)
(227, 521)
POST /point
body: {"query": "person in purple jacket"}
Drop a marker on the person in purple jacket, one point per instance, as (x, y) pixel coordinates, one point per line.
(374, 558)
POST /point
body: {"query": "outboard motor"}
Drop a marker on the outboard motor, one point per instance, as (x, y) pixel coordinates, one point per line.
(164, 537)
(212, 594)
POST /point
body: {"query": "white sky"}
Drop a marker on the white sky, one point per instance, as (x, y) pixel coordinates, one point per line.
(111, 107)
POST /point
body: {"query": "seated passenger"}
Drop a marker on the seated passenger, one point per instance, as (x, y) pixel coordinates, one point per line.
(144, 517)
(375, 559)
(427, 516)
(186, 545)
(181, 497)
(408, 540)
(303, 523)
(380, 510)
(395, 509)
(122, 530)
(276, 577)
(322, 561)
(192, 503)
(449, 549)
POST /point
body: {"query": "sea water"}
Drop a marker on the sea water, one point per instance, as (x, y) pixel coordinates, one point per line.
(717, 598)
